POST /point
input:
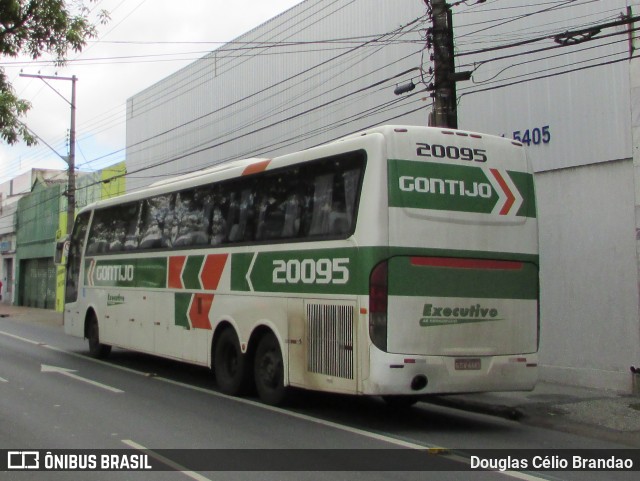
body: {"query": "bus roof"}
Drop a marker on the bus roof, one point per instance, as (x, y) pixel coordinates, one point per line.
(174, 183)
(209, 174)
(388, 130)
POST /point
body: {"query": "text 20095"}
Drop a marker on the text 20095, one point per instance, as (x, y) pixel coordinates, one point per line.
(451, 152)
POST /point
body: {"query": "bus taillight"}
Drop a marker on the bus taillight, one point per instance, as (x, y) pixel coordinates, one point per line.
(378, 295)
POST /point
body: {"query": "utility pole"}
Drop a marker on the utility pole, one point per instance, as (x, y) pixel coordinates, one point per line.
(445, 111)
(71, 158)
(71, 181)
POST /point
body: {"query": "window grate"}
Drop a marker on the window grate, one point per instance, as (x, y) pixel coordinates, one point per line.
(330, 335)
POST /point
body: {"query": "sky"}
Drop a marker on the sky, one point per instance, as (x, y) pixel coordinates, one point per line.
(143, 42)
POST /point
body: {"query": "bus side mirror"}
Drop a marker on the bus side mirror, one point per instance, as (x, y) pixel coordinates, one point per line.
(62, 251)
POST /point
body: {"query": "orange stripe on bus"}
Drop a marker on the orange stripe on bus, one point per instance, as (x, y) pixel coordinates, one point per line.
(176, 264)
(212, 270)
(199, 311)
(257, 167)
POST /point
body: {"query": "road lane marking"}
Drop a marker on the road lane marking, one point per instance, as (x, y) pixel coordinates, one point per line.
(19, 338)
(70, 373)
(449, 453)
(3, 379)
(431, 448)
(165, 460)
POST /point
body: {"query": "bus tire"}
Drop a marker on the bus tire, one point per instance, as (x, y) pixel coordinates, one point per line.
(97, 350)
(268, 371)
(230, 365)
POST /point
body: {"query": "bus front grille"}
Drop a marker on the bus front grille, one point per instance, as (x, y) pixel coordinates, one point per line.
(330, 337)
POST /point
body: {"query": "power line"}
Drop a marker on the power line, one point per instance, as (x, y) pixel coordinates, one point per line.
(186, 154)
(625, 21)
(522, 16)
(478, 65)
(556, 4)
(588, 67)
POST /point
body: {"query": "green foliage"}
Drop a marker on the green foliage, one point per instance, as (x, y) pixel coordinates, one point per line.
(36, 28)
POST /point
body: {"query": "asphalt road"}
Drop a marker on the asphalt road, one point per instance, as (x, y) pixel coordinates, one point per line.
(54, 397)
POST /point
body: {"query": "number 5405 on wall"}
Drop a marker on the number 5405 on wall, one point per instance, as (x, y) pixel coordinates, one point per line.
(535, 136)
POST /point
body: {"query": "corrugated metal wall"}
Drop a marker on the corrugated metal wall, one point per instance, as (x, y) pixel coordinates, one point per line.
(311, 75)
(37, 283)
(299, 90)
(37, 221)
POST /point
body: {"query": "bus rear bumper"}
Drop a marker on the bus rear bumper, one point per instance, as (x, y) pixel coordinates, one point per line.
(398, 374)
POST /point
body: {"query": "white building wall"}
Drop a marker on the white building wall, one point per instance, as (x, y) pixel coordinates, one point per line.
(589, 276)
(585, 105)
(634, 76)
(590, 326)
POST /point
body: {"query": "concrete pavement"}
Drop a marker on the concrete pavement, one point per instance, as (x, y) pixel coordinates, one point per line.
(594, 413)
(31, 314)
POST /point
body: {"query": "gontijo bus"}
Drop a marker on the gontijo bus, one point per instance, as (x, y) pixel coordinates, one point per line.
(402, 261)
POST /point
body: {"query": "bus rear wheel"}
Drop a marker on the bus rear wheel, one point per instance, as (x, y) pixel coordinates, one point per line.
(96, 348)
(230, 365)
(268, 371)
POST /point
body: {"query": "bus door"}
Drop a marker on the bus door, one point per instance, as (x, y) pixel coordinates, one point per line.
(73, 321)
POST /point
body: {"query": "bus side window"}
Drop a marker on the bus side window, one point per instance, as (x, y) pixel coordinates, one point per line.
(220, 215)
(218, 226)
(98, 235)
(158, 226)
(191, 224)
(322, 205)
(132, 237)
(123, 227)
(329, 206)
(110, 228)
(272, 207)
(292, 211)
(203, 198)
(242, 215)
(351, 180)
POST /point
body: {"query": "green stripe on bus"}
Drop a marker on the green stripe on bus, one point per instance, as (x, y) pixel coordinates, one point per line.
(524, 184)
(239, 267)
(321, 271)
(334, 271)
(407, 279)
(181, 310)
(146, 272)
(457, 188)
(191, 273)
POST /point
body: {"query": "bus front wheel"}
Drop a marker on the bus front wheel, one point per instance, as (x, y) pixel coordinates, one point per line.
(269, 371)
(229, 364)
(96, 348)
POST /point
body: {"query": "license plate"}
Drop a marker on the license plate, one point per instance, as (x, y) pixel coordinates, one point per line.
(467, 364)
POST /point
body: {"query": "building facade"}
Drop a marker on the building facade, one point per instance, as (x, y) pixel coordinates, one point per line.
(11, 192)
(562, 77)
(34, 216)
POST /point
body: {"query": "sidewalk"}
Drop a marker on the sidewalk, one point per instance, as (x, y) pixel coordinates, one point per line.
(595, 413)
(31, 314)
(590, 412)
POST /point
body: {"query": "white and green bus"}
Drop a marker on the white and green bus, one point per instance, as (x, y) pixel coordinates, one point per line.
(401, 262)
